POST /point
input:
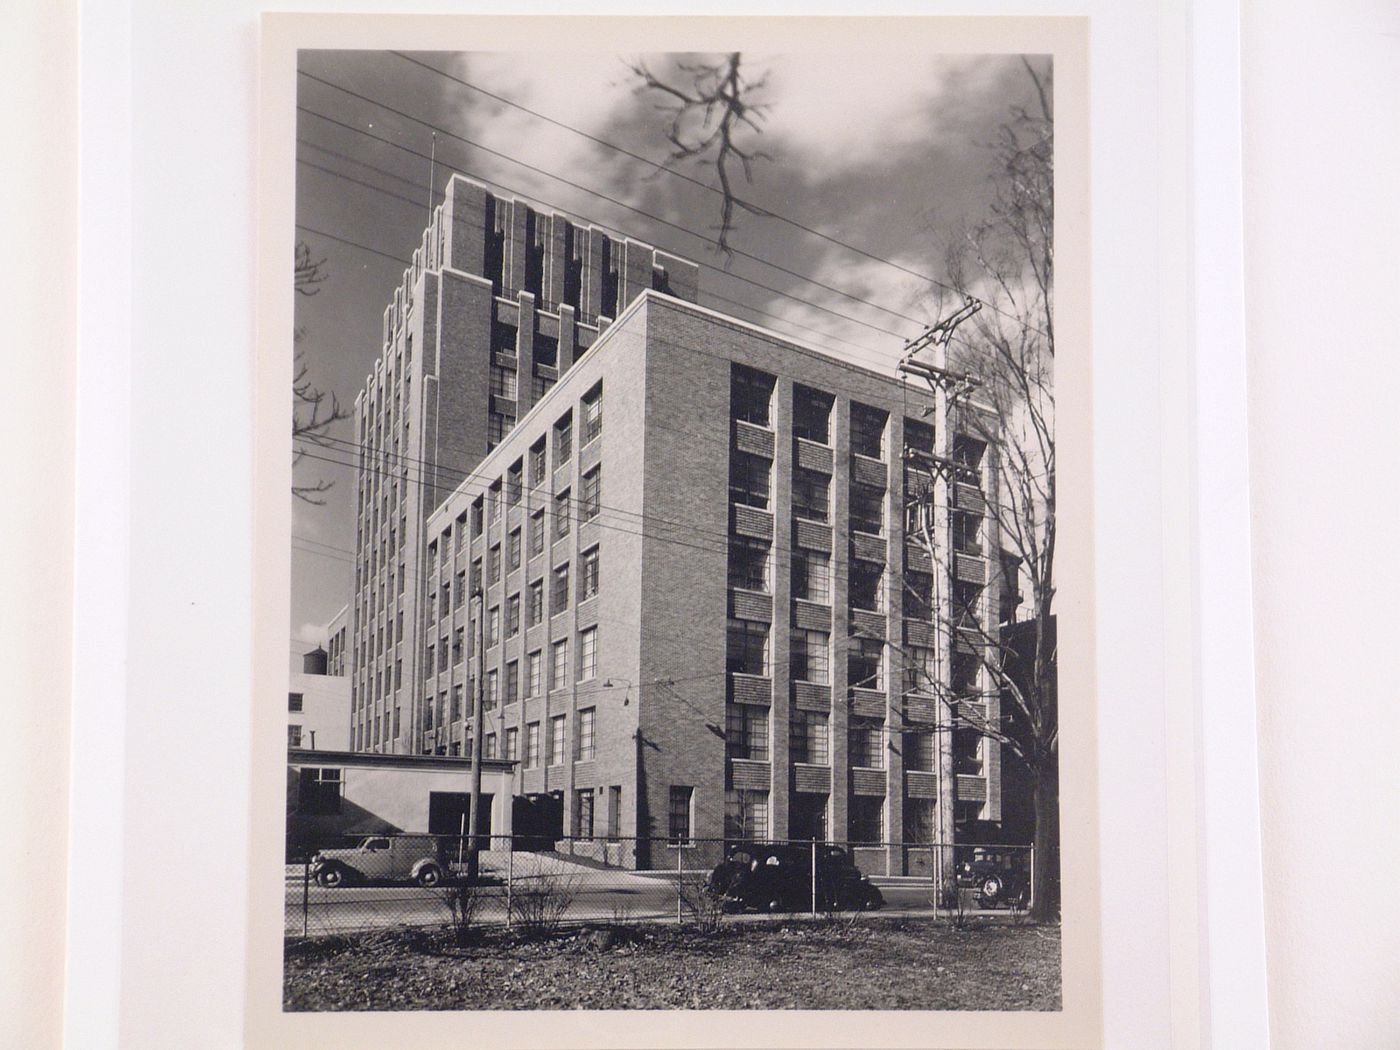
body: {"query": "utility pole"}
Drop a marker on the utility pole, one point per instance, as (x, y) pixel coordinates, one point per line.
(478, 694)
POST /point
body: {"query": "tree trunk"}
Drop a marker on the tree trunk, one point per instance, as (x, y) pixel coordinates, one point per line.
(1045, 796)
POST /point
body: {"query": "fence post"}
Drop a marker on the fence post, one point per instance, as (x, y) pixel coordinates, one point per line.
(510, 880)
(814, 878)
(680, 879)
(305, 896)
(1030, 894)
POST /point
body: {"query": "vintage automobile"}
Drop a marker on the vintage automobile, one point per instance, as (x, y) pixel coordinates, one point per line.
(383, 858)
(999, 876)
(777, 877)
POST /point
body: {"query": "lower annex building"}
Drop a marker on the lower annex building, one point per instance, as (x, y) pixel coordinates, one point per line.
(702, 617)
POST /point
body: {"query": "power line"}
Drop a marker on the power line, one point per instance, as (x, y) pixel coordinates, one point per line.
(766, 212)
(706, 291)
(612, 200)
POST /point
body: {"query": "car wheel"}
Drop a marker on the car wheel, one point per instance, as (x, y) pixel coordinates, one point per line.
(429, 875)
(991, 889)
(774, 905)
(331, 877)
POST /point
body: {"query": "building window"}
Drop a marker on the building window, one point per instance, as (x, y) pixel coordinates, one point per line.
(532, 745)
(867, 589)
(920, 669)
(493, 503)
(513, 550)
(918, 750)
(590, 489)
(476, 575)
(561, 514)
(537, 463)
(559, 592)
(591, 414)
(583, 813)
(586, 720)
(478, 509)
(493, 626)
(750, 479)
(490, 745)
(533, 670)
(866, 823)
(865, 664)
(919, 825)
(967, 603)
(559, 669)
(493, 563)
(294, 701)
(455, 713)
(810, 654)
(746, 815)
(866, 740)
(459, 588)
(748, 563)
(967, 454)
(678, 820)
(514, 483)
(811, 414)
(746, 732)
(294, 735)
(810, 739)
(563, 439)
(588, 654)
(811, 495)
(457, 638)
(918, 595)
(747, 647)
(512, 744)
(536, 602)
(811, 576)
(588, 575)
(513, 616)
(868, 430)
(967, 532)
(537, 532)
(503, 382)
(318, 791)
(967, 752)
(556, 740)
(751, 396)
(868, 509)
(918, 436)
(512, 681)
(498, 425)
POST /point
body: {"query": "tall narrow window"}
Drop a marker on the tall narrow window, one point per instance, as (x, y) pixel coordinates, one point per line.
(811, 576)
(747, 647)
(583, 813)
(556, 740)
(751, 395)
(537, 532)
(588, 574)
(811, 414)
(746, 815)
(588, 654)
(559, 664)
(536, 602)
(537, 463)
(559, 592)
(678, 819)
(868, 430)
(512, 681)
(586, 721)
(590, 494)
(746, 732)
(561, 514)
(750, 479)
(867, 744)
(534, 669)
(810, 741)
(811, 495)
(591, 414)
(513, 616)
(563, 439)
(865, 664)
(513, 550)
(748, 563)
(532, 745)
(810, 654)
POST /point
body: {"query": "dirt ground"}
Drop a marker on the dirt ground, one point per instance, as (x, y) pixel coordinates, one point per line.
(866, 964)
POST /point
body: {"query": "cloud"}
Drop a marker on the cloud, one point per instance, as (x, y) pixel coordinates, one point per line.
(311, 633)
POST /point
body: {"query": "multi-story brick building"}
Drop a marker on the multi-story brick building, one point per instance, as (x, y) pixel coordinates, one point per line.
(497, 304)
(703, 617)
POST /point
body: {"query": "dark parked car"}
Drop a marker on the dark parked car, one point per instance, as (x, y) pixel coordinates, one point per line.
(999, 876)
(383, 858)
(777, 877)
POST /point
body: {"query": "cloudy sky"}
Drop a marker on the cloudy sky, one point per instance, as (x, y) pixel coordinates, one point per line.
(888, 157)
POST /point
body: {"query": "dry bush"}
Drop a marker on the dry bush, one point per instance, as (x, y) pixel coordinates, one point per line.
(539, 903)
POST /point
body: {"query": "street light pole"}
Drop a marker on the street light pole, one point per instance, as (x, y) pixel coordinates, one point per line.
(478, 693)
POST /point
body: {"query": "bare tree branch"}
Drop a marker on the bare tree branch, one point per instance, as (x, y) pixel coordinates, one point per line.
(719, 97)
(314, 411)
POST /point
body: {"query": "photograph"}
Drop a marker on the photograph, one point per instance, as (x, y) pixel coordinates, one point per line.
(673, 532)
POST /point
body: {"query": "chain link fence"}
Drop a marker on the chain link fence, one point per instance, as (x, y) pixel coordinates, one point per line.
(404, 881)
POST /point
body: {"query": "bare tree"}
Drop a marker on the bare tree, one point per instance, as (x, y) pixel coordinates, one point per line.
(708, 117)
(1006, 262)
(314, 410)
